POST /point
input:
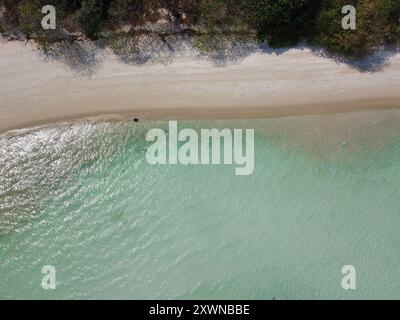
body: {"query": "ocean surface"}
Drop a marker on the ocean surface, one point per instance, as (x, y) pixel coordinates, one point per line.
(81, 197)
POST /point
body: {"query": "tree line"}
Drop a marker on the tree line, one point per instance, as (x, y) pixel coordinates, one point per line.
(280, 23)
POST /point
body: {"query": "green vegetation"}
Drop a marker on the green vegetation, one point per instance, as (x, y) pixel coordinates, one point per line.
(89, 16)
(29, 17)
(377, 23)
(280, 23)
(2, 24)
(285, 22)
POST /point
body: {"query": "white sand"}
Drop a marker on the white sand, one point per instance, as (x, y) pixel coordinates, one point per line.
(33, 91)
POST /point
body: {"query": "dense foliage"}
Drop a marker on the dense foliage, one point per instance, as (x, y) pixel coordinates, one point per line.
(278, 22)
(378, 22)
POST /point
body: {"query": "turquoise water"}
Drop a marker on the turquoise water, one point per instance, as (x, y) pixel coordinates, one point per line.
(83, 199)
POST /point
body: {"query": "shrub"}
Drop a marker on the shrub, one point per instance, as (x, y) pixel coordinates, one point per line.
(393, 35)
(29, 17)
(223, 14)
(373, 26)
(89, 18)
(285, 22)
(125, 10)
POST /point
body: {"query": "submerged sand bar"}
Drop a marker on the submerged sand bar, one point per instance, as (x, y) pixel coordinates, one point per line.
(295, 82)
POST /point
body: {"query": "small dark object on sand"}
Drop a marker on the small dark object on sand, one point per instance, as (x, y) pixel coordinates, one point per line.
(135, 120)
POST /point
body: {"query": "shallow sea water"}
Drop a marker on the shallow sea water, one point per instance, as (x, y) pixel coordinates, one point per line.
(82, 198)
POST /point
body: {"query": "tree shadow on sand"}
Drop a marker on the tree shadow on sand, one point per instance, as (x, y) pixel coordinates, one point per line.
(219, 50)
(374, 62)
(80, 56)
(84, 57)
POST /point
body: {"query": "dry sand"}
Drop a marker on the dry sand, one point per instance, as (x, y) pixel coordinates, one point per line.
(34, 91)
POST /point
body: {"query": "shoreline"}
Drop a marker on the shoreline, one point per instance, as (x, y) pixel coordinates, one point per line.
(294, 83)
(200, 114)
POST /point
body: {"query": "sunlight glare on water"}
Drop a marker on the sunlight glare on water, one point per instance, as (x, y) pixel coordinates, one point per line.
(82, 198)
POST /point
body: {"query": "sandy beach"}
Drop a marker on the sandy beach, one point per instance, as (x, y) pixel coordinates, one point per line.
(35, 90)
